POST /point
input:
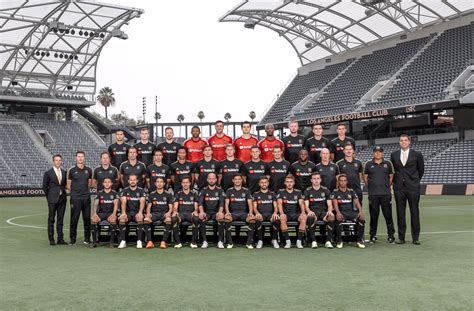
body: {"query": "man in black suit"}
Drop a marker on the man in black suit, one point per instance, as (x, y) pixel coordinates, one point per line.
(409, 169)
(54, 187)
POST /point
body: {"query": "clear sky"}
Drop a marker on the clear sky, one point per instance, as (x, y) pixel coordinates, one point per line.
(180, 52)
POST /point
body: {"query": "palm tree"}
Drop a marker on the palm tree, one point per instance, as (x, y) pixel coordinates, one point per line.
(201, 116)
(106, 98)
(180, 120)
(227, 117)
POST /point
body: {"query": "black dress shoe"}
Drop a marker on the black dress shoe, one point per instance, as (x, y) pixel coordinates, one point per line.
(391, 240)
(400, 242)
(416, 242)
(61, 242)
(73, 242)
(52, 243)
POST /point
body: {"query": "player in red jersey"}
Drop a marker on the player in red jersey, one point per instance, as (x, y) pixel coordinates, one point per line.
(243, 144)
(195, 145)
(266, 144)
(218, 142)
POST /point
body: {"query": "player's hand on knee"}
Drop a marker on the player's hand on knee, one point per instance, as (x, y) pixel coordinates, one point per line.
(123, 218)
(220, 216)
(95, 219)
(275, 217)
(202, 216)
(139, 217)
(258, 217)
(148, 218)
(112, 219)
(339, 217)
(329, 214)
(361, 216)
(311, 214)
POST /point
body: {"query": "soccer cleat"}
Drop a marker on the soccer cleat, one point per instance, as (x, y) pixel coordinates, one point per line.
(193, 245)
(163, 245)
(391, 240)
(360, 245)
(204, 244)
(373, 239)
(220, 245)
(299, 244)
(93, 245)
(52, 243)
(87, 242)
(416, 242)
(328, 244)
(179, 245)
(275, 244)
(139, 244)
(314, 244)
(339, 245)
(61, 242)
(259, 244)
(229, 246)
(287, 244)
(150, 244)
(122, 244)
(249, 246)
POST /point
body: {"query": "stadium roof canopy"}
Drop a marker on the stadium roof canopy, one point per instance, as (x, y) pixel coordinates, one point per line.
(54, 46)
(320, 28)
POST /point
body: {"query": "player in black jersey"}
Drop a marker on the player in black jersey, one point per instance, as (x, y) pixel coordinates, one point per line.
(265, 208)
(315, 144)
(238, 207)
(119, 150)
(254, 169)
(105, 170)
(291, 208)
(277, 170)
(145, 147)
(157, 169)
(105, 208)
(182, 167)
(159, 208)
(132, 167)
(328, 170)
(318, 205)
(203, 167)
(228, 168)
(169, 147)
(347, 207)
(133, 204)
(353, 169)
(293, 142)
(211, 207)
(185, 208)
(302, 170)
(338, 143)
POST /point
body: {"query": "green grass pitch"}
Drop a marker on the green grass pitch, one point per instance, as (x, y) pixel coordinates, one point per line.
(438, 275)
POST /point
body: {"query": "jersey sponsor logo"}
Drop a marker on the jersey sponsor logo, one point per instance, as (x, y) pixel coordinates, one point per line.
(340, 200)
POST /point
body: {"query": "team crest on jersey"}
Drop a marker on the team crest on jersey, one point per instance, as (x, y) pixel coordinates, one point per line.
(385, 165)
(110, 171)
(356, 165)
(331, 168)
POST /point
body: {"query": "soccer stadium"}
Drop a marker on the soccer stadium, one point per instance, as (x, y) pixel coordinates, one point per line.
(280, 211)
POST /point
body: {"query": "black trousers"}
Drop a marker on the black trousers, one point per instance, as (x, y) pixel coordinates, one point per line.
(377, 202)
(56, 210)
(78, 206)
(413, 198)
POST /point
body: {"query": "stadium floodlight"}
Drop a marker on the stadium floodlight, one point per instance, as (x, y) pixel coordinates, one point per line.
(250, 23)
(308, 44)
(14, 83)
(55, 25)
(117, 33)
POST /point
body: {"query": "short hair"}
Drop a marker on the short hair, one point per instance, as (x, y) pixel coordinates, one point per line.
(132, 175)
(276, 147)
(292, 121)
(132, 147)
(255, 147)
(212, 173)
(206, 146)
(157, 150)
(263, 178)
(348, 145)
(317, 124)
(144, 129)
(195, 127)
(269, 124)
(341, 124)
(80, 152)
(107, 177)
(119, 130)
(169, 128)
(406, 135)
(160, 177)
(237, 175)
(315, 173)
(245, 122)
(229, 146)
(57, 155)
(186, 177)
(342, 175)
(219, 121)
(104, 152)
(181, 148)
(289, 176)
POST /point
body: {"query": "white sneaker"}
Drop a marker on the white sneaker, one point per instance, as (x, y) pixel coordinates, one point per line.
(204, 244)
(360, 245)
(299, 244)
(288, 244)
(339, 245)
(122, 244)
(220, 245)
(139, 244)
(229, 246)
(259, 244)
(192, 245)
(249, 246)
(178, 245)
(314, 244)
(275, 244)
(328, 244)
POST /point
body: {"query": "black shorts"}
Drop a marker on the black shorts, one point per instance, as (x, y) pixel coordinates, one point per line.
(131, 215)
(350, 215)
(239, 216)
(103, 216)
(320, 214)
(292, 217)
(185, 217)
(157, 217)
(267, 216)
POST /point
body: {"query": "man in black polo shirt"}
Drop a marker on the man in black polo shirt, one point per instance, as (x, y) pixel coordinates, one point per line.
(169, 147)
(328, 170)
(378, 176)
(291, 208)
(353, 169)
(157, 170)
(315, 144)
(293, 142)
(302, 170)
(211, 202)
(185, 208)
(347, 207)
(118, 151)
(238, 207)
(182, 167)
(339, 142)
(79, 181)
(105, 208)
(228, 168)
(318, 205)
(254, 169)
(203, 167)
(105, 170)
(133, 202)
(145, 147)
(277, 170)
(265, 208)
(132, 167)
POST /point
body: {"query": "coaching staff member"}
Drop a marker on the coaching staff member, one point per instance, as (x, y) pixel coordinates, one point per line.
(409, 169)
(54, 187)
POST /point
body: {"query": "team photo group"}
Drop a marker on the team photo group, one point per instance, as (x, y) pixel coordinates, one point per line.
(220, 183)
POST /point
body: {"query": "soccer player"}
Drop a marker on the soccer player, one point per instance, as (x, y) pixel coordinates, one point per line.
(244, 143)
(157, 170)
(169, 147)
(265, 208)
(318, 205)
(145, 147)
(353, 169)
(347, 207)
(378, 176)
(315, 144)
(79, 181)
(277, 170)
(238, 207)
(119, 150)
(266, 144)
(105, 208)
(339, 142)
(228, 168)
(291, 208)
(204, 167)
(211, 207)
(218, 142)
(105, 170)
(253, 170)
(159, 208)
(302, 170)
(293, 142)
(133, 202)
(132, 167)
(195, 145)
(328, 170)
(180, 168)
(185, 208)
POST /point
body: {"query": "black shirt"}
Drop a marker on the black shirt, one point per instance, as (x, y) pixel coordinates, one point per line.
(352, 170)
(118, 153)
(345, 200)
(169, 152)
(302, 174)
(186, 201)
(253, 171)
(238, 200)
(160, 202)
(290, 201)
(338, 147)
(106, 201)
(293, 145)
(101, 173)
(328, 174)
(153, 172)
(79, 182)
(277, 172)
(127, 169)
(203, 168)
(211, 200)
(228, 169)
(145, 152)
(378, 177)
(133, 197)
(265, 201)
(178, 170)
(317, 198)
(315, 146)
